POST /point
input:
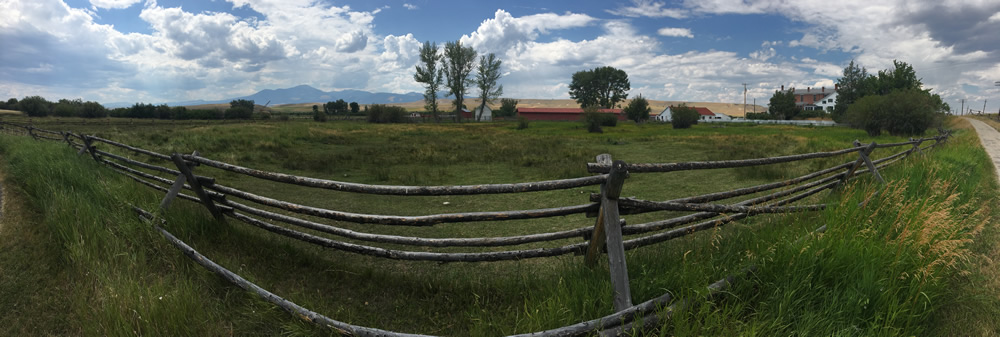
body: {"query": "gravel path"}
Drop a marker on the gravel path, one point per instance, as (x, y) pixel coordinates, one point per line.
(990, 139)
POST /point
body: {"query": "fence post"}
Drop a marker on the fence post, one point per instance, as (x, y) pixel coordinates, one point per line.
(609, 222)
(89, 147)
(32, 134)
(65, 136)
(863, 158)
(196, 186)
(868, 162)
(597, 237)
(916, 146)
(175, 188)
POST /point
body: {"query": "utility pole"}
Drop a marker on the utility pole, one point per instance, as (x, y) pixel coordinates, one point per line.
(962, 112)
(744, 99)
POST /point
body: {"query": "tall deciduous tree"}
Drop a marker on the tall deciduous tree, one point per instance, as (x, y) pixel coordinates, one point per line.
(486, 79)
(430, 75)
(458, 63)
(603, 87)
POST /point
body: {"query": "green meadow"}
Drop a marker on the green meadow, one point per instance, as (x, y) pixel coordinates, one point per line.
(77, 261)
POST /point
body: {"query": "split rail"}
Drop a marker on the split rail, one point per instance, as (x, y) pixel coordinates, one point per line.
(609, 234)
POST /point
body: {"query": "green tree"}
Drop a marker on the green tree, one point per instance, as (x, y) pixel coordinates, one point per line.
(508, 107)
(683, 116)
(782, 105)
(35, 106)
(355, 108)
(458, 63)
(902, 76)
(903, 112)
(245, 103)
(93, 110)
(855, 84)
(486, 79)
(430, 76)
(318, 116)
(638, 109)
(603, 87)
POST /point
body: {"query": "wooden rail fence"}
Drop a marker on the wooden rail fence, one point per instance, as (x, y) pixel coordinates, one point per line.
(609, 234)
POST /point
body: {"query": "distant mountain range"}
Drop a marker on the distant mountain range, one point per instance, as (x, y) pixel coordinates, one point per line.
(305, 94)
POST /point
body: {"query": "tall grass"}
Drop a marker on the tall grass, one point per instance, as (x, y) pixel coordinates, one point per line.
(849, 280)
(882, 269)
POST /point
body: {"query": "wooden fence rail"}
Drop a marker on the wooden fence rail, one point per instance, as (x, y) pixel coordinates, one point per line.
(607, 235)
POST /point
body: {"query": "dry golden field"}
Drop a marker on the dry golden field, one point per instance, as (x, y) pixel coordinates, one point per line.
(732, 109)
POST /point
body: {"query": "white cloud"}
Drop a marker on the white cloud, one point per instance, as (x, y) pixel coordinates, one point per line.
(648, 8)
(678, 32)
(504, 33)
(113, 4)
(410, 6)
(352, 42)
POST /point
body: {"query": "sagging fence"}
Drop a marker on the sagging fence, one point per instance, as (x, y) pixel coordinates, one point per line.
(609, 234)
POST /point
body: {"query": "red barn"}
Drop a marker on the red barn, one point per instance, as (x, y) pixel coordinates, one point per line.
(561, 114)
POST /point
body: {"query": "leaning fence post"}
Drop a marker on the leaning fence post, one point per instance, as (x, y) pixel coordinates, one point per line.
(206, 200)
(609, 222)
(916, 145)
(868, 162)
(32, 134)
(597, 237)
(175, 188)
(89, 147)
(863, 152)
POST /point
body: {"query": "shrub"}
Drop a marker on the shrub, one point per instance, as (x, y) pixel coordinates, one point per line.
(522, 123)
(381, 113)
(594, 119)
(318, 116)
(903, 112)
(35, 106)
(683, 116)
(238, 112)
(508, 108)
(638, 109)
(64, 110)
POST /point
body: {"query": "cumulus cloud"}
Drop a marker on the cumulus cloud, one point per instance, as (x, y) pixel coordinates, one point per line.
(410, 6)
(929, 35)
(211, 38)
(505, 33)
(113, 4)
(678, 32)
(352, 42)
(648, 8)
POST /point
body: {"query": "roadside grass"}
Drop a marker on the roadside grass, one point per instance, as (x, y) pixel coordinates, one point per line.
(122, 268)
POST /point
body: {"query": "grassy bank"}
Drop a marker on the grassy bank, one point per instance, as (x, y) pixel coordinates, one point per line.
(126, 280)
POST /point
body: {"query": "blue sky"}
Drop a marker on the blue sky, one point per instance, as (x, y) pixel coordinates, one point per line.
(172, 50)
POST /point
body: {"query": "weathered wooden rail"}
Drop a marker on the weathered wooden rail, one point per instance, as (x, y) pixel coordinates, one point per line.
(609, 234)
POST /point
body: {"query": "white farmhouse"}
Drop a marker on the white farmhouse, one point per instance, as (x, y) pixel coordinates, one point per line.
(704, 113)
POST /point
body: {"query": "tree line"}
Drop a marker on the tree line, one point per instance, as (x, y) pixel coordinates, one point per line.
(37, 106)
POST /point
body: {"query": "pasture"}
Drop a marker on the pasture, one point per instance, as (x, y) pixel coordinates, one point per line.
(823, 281)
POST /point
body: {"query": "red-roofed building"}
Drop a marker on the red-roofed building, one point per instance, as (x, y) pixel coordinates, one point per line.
(561, 114)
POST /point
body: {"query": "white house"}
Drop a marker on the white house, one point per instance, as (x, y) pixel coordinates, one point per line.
(827, 103)
(704, 113)
(487, 114)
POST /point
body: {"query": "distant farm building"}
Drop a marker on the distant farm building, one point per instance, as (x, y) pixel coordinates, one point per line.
(704, 115)
(813, 99)
(561, 114)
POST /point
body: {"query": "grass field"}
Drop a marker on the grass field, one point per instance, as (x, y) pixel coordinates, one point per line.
(127, 280)
(731, 109)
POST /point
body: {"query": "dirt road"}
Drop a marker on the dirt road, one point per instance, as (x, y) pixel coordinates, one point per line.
(990, 139)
